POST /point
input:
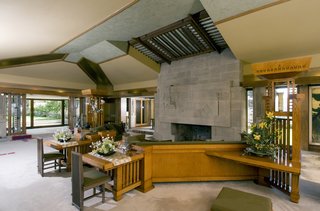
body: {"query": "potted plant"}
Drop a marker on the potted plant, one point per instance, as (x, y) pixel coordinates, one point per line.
(104, 147)
(261, 140)
(63, 135)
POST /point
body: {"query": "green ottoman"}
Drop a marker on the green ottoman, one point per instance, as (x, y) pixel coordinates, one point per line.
(235, 200)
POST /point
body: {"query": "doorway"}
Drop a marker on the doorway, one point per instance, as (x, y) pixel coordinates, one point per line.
(138, 111)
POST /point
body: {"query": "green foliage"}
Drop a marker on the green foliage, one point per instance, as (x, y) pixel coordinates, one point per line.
(105, 146)
(316, 97)
(261, 139)
(50, 109)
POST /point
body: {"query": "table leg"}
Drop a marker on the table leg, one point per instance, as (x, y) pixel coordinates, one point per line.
(117, 193)
(68, 161)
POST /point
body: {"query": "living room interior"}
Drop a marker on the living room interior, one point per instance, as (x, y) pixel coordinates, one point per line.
(180, 78)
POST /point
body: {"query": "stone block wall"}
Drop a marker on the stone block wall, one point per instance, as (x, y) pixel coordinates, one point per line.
(201, 90)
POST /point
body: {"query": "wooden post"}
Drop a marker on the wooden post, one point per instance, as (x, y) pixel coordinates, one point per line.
(117, 194)
(146, 170)
(296, 145)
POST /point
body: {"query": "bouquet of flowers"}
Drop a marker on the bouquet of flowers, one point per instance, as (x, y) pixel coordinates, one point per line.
(104, 147)
(261, 139)
(64, 134)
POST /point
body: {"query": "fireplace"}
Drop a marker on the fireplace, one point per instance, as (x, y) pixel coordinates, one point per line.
(188, 132)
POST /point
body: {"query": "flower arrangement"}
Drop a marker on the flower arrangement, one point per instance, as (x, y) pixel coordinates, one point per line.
(94, 109)
(104, 147)
(261, 139)
(64, 134)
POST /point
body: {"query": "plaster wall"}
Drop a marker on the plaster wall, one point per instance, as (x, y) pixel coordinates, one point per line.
(202, 90)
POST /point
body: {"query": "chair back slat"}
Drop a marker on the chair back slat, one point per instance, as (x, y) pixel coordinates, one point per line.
(77, 179)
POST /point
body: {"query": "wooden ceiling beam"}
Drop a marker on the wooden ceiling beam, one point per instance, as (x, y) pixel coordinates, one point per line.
(154, 50)
(195, 22)
(94, 72)
(30, 60)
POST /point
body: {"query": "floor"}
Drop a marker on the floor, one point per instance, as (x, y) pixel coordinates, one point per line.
(21, 188)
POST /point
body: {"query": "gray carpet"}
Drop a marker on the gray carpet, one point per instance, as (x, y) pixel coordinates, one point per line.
(21, 188)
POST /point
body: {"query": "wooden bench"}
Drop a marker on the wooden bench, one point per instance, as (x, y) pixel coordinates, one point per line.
(293, 168)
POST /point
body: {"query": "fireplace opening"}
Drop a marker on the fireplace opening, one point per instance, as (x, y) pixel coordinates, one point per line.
(187, 132)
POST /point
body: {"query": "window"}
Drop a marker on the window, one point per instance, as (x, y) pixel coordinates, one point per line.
(46, 111)
(249, 108)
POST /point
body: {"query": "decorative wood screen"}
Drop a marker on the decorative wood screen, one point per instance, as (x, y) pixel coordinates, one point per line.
(288, 121)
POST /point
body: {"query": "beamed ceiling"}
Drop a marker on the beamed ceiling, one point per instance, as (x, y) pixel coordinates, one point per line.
(119, 45)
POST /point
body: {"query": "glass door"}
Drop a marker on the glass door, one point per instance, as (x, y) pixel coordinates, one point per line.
(144, 112)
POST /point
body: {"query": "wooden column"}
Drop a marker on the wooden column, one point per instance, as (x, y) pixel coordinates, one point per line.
(146, 170)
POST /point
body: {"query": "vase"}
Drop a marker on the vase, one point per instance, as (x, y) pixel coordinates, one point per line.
(63, 140)
(106, 154)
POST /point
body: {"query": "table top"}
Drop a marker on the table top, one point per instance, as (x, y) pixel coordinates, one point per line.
(107, 165)
(72, 143)
(261, 162)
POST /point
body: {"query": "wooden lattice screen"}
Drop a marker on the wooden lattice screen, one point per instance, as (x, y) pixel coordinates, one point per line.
(288, 121)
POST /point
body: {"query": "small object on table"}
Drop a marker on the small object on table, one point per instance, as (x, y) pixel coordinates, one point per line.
(136, 148)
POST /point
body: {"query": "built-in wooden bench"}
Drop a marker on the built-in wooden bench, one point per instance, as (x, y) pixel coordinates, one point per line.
(264, 163)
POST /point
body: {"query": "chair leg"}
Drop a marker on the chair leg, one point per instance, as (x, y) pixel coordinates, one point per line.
(59, 160)
(42, 170)
(81, 200)
(55, 164)
(103, 193)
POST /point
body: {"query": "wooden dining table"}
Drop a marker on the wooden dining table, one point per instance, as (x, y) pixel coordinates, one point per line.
(81, 146)
(127, 175)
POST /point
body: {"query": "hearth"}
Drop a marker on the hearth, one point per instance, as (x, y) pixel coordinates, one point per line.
(189, 132)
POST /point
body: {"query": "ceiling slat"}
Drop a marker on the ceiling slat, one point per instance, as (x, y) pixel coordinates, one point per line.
(193, 35)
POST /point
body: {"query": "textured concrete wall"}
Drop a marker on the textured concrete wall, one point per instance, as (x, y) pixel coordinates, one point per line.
(202, 90)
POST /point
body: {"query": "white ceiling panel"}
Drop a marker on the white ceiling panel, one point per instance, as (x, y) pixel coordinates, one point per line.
(35, 27)
(286, 30)
(55, 71)
(127, 69)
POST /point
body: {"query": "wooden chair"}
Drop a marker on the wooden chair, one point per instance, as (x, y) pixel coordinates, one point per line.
(47, 160)
(110, 133)
(85, 181)
(93, 137)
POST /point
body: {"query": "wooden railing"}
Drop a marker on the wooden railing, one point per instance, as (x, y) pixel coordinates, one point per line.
(280, 179)
(288, 123)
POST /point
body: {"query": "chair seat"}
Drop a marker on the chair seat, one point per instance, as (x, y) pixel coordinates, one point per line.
(82, 181)
(52, 155)
(93, 176)
(45, 159)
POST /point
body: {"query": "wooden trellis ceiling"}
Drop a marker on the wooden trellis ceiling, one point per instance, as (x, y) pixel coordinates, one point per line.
(191, 36)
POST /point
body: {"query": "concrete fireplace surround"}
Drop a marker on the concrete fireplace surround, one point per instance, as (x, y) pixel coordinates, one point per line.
(202, 90)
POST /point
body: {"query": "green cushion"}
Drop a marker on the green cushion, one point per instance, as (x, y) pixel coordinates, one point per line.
(231, 199)
(93, 176)
(52, 155)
